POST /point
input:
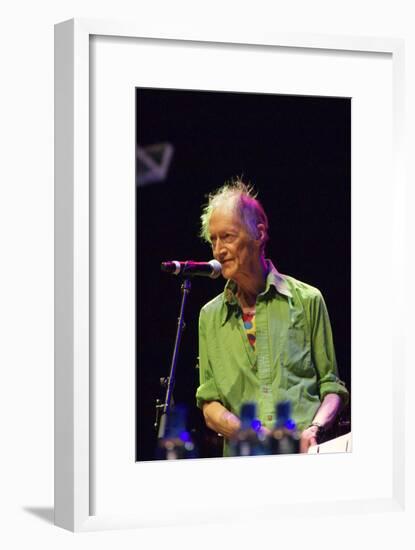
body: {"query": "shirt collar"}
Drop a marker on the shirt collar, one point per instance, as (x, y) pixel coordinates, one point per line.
(274, 279)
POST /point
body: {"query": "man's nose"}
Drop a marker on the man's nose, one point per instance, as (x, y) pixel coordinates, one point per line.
(217, 248)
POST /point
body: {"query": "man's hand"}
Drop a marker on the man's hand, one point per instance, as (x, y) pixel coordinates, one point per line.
(308, 438)
(219, 419)
(325, 416)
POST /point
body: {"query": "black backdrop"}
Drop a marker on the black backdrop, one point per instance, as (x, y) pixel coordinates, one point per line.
(295, 150)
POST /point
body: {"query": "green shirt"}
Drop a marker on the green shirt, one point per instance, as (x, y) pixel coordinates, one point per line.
(294, 357)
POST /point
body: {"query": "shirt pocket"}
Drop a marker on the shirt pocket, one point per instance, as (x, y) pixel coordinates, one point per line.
(296, 354)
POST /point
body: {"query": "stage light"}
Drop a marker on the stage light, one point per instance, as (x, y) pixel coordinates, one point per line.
(153, 163)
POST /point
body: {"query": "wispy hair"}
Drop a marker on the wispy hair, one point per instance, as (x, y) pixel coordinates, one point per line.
(240, 197)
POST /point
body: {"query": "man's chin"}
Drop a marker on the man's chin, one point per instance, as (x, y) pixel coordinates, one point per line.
(227, 273)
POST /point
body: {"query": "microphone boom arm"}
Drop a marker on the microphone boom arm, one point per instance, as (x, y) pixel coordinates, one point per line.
(161, 421)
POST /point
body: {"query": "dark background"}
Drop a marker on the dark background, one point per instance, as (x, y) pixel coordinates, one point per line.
(295, 150)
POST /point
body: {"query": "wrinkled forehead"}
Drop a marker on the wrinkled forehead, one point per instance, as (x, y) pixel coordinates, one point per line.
(224, 217)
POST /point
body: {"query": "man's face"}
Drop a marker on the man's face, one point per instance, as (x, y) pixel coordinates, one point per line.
(232, 245)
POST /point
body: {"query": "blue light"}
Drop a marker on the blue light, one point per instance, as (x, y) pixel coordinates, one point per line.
(290, 424)
(185, 436)
(256, 425)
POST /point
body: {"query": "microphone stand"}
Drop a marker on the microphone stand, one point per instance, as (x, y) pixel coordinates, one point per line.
(161, 421)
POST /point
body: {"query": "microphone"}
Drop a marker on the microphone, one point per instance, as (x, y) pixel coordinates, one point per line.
(190, 268)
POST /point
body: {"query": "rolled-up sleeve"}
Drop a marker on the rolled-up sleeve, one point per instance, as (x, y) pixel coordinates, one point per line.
(207, 390)
(324, 357)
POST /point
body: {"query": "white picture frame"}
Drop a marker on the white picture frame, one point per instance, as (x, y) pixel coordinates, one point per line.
(75, 451)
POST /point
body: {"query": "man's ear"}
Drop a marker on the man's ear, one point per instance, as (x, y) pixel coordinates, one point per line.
(261, 233)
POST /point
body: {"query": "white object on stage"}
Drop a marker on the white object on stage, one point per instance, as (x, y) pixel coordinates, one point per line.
(342, 444)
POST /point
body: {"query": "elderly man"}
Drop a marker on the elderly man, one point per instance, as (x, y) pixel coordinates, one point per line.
(267, 337)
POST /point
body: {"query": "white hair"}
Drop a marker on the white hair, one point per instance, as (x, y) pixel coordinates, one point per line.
(241, 199)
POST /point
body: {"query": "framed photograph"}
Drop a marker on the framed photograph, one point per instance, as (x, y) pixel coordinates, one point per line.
(296, 151)
(146, 127)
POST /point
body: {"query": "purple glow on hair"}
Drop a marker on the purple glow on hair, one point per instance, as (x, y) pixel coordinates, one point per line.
(241, 198)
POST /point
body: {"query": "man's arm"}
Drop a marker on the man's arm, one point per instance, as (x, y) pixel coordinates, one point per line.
(325, 416)
(331, 388)
(219, 419)
(323, 354)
